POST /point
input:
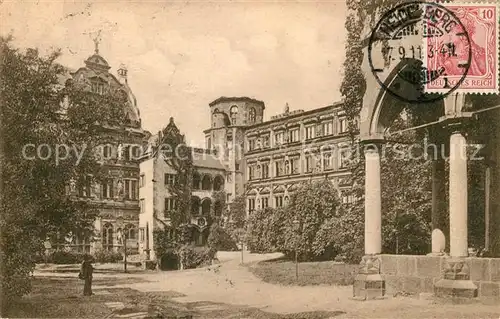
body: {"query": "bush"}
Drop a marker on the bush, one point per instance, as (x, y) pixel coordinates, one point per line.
(194, 257)
(220, 239)
(105, 256)
(66, 257)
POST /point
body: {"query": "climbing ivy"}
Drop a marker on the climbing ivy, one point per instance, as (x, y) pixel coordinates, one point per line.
(362, 16)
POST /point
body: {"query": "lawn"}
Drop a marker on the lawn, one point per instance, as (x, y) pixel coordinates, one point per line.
(281, 271)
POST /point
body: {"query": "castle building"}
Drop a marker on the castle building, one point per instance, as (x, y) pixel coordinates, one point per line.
(117, 198)
(156, 201)
(268, 159)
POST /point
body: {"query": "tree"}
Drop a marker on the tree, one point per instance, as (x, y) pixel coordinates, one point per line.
(38, 110)
(311, 205)
(178, 156)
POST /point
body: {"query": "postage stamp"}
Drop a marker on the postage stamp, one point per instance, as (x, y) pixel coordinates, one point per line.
(475, 50)
(398, 57)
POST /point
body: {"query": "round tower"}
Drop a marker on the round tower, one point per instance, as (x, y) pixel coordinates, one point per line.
(230, 116)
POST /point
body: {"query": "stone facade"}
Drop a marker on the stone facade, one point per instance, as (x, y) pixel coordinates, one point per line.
(155, 199)
(117, 199)
(267, 160)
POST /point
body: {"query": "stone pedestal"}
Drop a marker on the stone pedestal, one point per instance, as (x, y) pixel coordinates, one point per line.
(368, 283)
(456, 280)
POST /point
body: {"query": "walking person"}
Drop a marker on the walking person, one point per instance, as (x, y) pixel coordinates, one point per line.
(86, 274)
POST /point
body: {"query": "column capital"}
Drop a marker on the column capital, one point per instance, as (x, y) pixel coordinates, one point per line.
(456, 124)
(370, 146)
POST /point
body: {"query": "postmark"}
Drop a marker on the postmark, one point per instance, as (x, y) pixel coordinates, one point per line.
(481, 24)
(397, 53)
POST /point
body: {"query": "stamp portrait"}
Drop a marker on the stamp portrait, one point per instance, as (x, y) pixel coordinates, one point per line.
(481, 24)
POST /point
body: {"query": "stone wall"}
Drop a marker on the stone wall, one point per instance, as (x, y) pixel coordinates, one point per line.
(415, 274)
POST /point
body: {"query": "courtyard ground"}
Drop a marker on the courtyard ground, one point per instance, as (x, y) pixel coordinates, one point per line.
(230, 290)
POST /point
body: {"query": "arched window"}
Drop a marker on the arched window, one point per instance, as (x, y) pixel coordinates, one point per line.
(107, 237)
(251, 115)
(205, 206)
(218, 183)
(130, 231)
(233, 112)
(196, 181)
(195, 205)
(218, 208)
(206, 183)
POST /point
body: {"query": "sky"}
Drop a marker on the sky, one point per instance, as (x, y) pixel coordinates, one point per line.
(181, 56)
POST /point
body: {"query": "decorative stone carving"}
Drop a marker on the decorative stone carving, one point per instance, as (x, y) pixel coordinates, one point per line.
(370, 264)
(72, 186)
(456, 269)
(119, 188)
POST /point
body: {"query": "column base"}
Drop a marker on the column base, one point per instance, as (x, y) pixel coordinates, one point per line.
(368, 283)
(456, 280)
(367, 287)
(437, 254)
(455, 288)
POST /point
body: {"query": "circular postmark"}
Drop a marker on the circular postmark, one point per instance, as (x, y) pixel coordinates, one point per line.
(417, 43)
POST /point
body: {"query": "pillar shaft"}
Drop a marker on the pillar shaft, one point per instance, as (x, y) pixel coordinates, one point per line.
(438, 205)
(458, 196)
(373, 203)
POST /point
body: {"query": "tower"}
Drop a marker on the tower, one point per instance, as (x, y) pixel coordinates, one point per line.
(229, 118)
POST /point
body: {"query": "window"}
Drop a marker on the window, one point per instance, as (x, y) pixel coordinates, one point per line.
(251, 205)
(344, 158)
(142, 180)
(265, 141)
(279, 166)
(309, 163)
(106, 151)
(265, 170)
(342, 125)
(130, 232)
(209, 143)
(278, 138)
(141, 234)
(233, 112)
(327, 161)
(142, 205)
(251, 144)
(170, 205)
(251, 115)
(265, 202)
(237, 167)
(278, 201)
(131, 189)
(97, 87)
(294, 166)
(169, 179)
(107, 236)
(84, 188)
(293, 135)
(136, 151)
(327, 128)
(309, 132)
(107, 188)
(228, 197)
(251, 172)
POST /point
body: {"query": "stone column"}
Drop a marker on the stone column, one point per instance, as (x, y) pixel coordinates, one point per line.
(368, 283)
(373, 201)
(438, 206)
(458, 195)
(487, 185)
(456, 274)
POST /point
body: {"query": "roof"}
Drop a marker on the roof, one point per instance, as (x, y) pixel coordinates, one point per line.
(223, 99)
(207, 161)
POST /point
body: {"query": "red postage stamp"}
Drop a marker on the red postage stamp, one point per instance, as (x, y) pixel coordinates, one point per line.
(473, 50)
